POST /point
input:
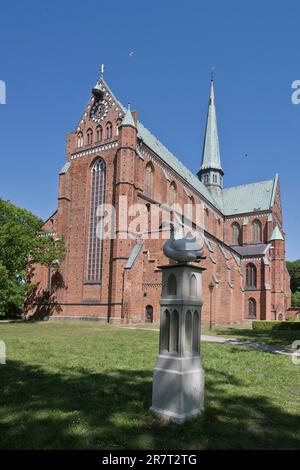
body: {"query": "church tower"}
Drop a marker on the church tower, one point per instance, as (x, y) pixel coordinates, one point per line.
(211, 173)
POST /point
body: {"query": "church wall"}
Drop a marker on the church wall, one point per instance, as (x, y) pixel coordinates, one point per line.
(246, 226)
(124, 294)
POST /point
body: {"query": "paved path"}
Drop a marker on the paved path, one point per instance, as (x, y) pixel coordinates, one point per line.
(248, 344)
(272, 348)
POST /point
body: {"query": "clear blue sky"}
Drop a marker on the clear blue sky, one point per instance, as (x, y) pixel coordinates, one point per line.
(50, 53)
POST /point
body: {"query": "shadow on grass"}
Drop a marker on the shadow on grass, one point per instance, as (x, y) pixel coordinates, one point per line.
(76, 409)
(280, 338)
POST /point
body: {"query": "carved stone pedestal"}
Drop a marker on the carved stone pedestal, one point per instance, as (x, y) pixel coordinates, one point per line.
(178, 379)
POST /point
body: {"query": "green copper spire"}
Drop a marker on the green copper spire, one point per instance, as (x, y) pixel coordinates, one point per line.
(211, 151)
(211, 172)
(128, 119)
(276, 234)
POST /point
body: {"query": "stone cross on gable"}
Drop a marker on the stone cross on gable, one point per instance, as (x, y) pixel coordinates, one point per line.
(102, 69)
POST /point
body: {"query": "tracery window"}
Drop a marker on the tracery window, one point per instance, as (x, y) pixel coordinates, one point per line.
(256, 231)
(94, 261)
(252, 308)
(235, 233)
(251, 276)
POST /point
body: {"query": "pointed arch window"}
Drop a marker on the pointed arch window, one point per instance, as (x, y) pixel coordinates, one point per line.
(256, 231)
(109, 130)
(235, 233)
(149, 180)
(89, 136)
(251, 276)
(172, 193)
(252, 309)
(206, 179)
(79, 140)
(118, 123)
(99, 133)
(193, 286)
(94, 260)
(191, 209)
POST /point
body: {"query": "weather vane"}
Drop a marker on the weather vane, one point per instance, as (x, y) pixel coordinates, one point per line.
(212, 73)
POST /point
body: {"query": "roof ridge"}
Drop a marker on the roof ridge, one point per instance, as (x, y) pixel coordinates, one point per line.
(249, 184)
(202, 190)
(276, 179)
(205, 192)
(162, 151)
(163, 145)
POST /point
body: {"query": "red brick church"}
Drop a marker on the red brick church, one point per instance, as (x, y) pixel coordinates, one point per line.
(111, 155)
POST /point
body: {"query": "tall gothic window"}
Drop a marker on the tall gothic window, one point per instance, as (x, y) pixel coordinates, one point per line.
(94, 262)
(256, 231)
(79, 140)
(251, 276)
(109, 130)
(190, 212)
(89, 136)
(149, 180)
(99, 133)
(252, 308)
(235, 233)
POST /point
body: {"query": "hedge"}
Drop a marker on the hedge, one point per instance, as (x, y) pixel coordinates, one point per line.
(275, 325)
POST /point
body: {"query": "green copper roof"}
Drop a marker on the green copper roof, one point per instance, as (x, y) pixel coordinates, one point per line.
(128, 119)
(133, 255)
(249, 197)
(237, 200)
(153, 143)
(65, 168)
(276, 234)
(211, 150)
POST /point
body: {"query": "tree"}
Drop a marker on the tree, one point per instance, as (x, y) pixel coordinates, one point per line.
(294, 271)
(296, 299)
(22, 243)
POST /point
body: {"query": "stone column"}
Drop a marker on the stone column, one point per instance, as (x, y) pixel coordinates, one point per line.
(178, 379)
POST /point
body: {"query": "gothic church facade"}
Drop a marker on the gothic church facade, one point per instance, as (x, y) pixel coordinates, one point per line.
(111, 155)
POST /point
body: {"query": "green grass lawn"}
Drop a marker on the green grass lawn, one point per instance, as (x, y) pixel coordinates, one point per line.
(88, 386)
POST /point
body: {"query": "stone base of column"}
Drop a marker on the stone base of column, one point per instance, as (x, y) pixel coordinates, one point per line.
(178, 388)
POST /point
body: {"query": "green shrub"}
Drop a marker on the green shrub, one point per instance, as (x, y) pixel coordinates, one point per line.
(296, 299)
(275, 325)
